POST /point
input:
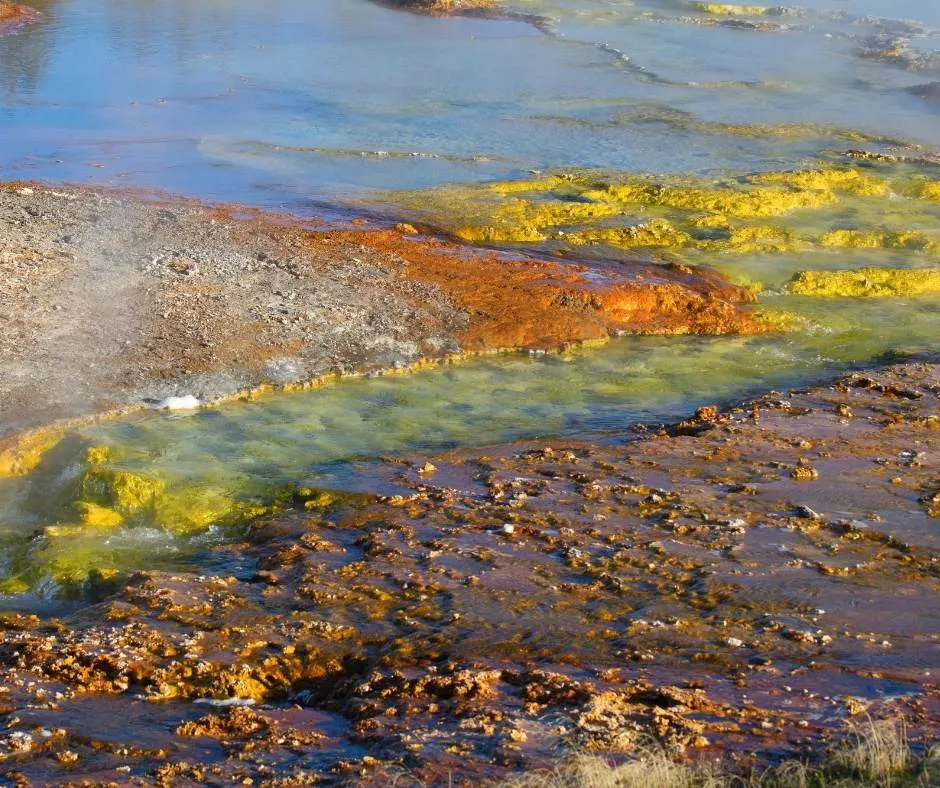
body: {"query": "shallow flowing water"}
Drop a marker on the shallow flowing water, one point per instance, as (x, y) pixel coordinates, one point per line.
(292, 101)
(157, 489)
(342, 105)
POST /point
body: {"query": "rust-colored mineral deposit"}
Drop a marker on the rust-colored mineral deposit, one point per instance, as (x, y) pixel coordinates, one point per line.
(12, 15)
(536, 304)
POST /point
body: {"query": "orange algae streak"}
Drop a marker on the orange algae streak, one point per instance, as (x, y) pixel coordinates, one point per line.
(8, 11)
(534, 304)
(12, 14)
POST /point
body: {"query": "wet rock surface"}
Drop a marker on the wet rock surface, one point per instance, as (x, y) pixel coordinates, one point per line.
(736, 585)
(113, 301)
(929, 91)
(110, 300)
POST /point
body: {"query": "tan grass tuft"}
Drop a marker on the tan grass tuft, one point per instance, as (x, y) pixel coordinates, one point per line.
(652, 768)
(877, 754)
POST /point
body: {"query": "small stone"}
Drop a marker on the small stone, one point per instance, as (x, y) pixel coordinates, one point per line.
(855, 706)
(804, 471)
(189, 402)
(427, 468)
(809, 514)
(509, 528)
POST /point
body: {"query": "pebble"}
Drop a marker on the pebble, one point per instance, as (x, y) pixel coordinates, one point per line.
(225, 702)
(188, 402)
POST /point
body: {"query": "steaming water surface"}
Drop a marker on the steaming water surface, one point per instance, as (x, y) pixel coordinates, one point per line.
(333, 105)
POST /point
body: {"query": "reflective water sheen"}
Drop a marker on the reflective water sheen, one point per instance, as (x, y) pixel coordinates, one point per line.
(279, 103)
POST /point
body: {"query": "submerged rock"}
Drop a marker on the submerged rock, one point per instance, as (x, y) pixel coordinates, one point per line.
(929, 91)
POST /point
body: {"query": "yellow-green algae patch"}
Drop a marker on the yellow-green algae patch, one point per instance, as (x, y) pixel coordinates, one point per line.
(96, 516)
(926, 189)
(931, 191)
(557, 183)
(105, 505)
(761, 238)
(728, 199)
(123, 492)
(658, 232)
(879, 239)
(844, 179)
(174, 502)
(732, 9)
(867, 283)
(855, 204)
(25, 452)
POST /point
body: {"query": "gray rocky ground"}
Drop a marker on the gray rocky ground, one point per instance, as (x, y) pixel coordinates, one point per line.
(107, 301)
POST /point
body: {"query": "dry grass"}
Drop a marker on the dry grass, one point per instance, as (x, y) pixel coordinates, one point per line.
(876, 755)
(653, 768)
